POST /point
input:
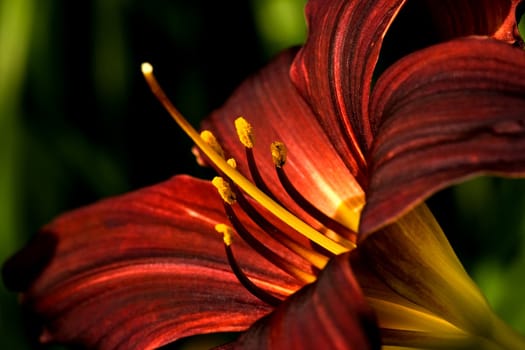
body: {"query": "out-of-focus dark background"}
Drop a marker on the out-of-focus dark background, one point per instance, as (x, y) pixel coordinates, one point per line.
(78, 123)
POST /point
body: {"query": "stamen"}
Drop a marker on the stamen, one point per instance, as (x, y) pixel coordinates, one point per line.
(231, 162)
(224, 189)
(245, 281)
(210, 139)
(279, 153)
(245, 132)
(341, 233)
(247, 138)
(241, 181)
(315, 258)
(266, 252)
(318, 260)
(226, 231)
(256, 175)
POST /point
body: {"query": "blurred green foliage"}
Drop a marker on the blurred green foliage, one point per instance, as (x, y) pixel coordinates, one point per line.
(520, 15)
(77, 122)
(15, 28)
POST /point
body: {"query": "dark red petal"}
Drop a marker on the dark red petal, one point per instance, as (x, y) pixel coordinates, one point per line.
(455, 18)
(334, 69)
(277, 112)
(442, 114)
(422, 23)
(140, 270)
(329, 314)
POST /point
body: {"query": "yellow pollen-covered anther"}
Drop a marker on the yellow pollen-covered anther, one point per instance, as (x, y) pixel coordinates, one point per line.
(226, 231)
(279, 153)
(245, 132)
(231, 162)
(211, 140)
(224, 189)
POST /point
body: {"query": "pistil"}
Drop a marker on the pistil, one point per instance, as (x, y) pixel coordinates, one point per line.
(241, 276)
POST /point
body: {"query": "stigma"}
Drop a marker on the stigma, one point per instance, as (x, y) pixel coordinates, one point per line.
(325, 236)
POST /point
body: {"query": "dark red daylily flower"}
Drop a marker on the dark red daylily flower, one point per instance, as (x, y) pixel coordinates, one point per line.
(351, 166)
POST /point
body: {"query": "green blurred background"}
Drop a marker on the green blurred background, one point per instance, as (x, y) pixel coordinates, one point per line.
(77, 122)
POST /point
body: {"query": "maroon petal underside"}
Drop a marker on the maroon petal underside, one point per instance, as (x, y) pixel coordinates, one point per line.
(334, 69)
(270, 102)
(329, 314)
(455, 18)
(440, 115)
(140, 270)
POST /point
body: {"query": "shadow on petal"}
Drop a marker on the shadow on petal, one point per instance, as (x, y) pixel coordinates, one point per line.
(25, 266)
(329, 314)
